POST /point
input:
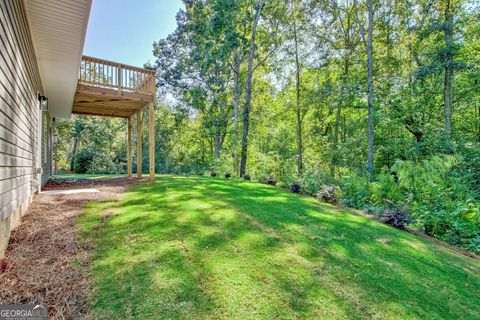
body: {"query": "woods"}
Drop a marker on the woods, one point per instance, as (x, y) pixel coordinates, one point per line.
(379, 98)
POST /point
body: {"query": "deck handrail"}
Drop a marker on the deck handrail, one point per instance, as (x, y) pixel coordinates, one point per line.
(106, 74)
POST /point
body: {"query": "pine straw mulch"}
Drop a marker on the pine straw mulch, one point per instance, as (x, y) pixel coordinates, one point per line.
(45, 262)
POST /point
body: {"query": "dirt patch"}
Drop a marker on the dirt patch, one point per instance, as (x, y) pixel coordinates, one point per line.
(45, 261)
(107, 214)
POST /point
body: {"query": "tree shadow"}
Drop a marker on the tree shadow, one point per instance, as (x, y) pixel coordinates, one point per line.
(181, 239)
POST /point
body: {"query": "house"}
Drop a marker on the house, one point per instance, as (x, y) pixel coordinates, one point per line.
(44, 77)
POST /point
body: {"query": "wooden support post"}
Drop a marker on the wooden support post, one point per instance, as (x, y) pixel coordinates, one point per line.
(151, 139)
(129, 147)
(139, 142)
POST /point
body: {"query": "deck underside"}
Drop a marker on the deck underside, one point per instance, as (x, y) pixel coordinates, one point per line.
(107, 102)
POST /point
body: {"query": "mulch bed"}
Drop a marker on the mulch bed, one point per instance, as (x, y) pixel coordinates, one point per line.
(46, 261)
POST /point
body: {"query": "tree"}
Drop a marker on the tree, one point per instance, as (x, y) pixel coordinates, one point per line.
(371, 112)
(448, 82)
(368, 42)
(248, 88)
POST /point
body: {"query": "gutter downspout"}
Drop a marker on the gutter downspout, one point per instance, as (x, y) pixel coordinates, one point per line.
(38, 164)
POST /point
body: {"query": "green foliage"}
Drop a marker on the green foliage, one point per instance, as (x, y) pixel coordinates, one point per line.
(91, 145)
(385, 188)
(431, 189)
(83, 161)
(424, 178)
(355, 191)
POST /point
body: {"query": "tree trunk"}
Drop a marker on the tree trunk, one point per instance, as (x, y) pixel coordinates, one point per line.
(448, 82)
(338, 117)
(236, 96)
(74, 153)
(335, 133)
(371, 112)
(218, 144)
(299, 110)
(219, 126)
(248, 92)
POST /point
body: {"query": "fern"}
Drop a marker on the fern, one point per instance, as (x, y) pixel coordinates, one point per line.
(425, 176)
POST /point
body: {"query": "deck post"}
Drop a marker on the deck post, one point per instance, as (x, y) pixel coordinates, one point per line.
(139, 142)
(151, 138)
(129, 147)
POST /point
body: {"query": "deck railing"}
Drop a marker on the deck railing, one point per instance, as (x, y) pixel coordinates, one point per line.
(106, 74)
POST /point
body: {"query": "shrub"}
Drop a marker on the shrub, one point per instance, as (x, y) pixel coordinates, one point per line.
(312, 180)
(355, 191)
(295, 187)
(270, 180)
(228, 175)
(247, 177)
(213, 174)
(385, 189)
(328, 194)
(83, 161)
(396, 216)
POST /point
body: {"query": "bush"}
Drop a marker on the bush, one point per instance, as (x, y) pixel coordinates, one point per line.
(328, 194)
(247, 177)
(213, 174)
(355, 191)
(312, 180)
(270, 180)
(228, 175)
(396, 216)
(385, 189)
(295, 187)
(83, 161)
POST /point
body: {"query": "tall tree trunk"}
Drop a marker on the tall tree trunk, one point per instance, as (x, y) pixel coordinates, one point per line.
(338, 116)
(219, 125)
(236, 96)
(448, 82)
(74, 153)
(299, 109)
(218, 143)
(371, 111)
(248, 91)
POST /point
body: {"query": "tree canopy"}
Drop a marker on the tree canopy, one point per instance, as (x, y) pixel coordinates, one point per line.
(380, 98)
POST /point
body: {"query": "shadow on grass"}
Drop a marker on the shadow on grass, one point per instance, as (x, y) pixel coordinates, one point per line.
(195, 247)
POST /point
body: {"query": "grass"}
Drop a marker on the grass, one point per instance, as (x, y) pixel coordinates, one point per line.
(88, 176)
(211, 248)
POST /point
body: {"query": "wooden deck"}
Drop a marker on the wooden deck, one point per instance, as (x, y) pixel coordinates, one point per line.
(111, 89)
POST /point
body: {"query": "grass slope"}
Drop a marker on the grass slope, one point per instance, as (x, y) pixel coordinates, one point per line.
(203, 248)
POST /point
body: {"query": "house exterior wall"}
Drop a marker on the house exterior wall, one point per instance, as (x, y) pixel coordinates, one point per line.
(47, 148)
(20, 86)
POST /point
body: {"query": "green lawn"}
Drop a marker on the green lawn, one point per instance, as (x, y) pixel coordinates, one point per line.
(88, 176)
(211, 248)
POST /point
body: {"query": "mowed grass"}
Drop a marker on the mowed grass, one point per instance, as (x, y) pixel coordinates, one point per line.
(87, 175)
(212, 248)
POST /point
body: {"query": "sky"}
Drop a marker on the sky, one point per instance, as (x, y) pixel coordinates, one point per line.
(124, 30)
